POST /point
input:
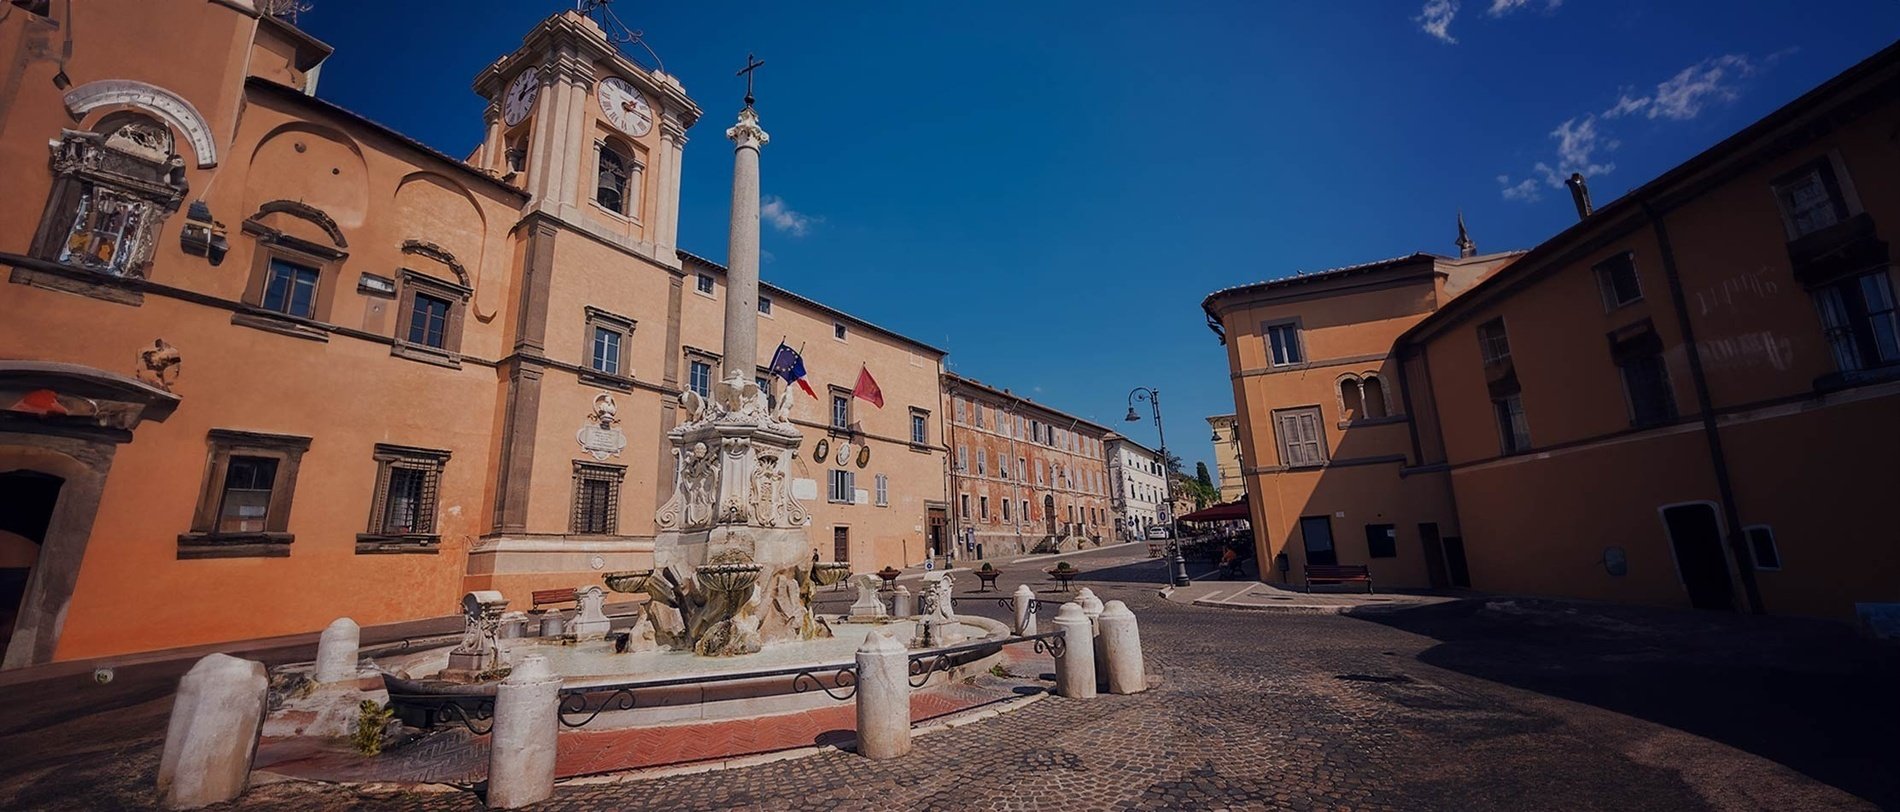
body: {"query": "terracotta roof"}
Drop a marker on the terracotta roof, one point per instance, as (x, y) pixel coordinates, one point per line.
(1303, 277)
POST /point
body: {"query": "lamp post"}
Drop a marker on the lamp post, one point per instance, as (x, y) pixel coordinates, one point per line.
(1176, 565)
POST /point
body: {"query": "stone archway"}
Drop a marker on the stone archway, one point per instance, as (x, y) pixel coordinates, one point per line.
(64, 422)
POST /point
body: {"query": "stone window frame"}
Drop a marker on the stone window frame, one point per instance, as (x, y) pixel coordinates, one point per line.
(839, 332)
(272, 244)
(81, 162)
(1605, 272)
(598, 319)
(765, 306)
(703, 285)
(919, 419)
(1294, 352)
(712, 361)
(1291, 455)
(409, 285)
(882, 494)
(389, 457)
(205, 540)
(615, 476)
(850, 410)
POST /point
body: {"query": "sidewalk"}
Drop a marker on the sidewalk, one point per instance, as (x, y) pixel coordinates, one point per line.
(1259, 597)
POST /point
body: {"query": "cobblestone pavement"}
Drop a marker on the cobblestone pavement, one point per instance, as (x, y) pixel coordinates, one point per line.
(1464, 706)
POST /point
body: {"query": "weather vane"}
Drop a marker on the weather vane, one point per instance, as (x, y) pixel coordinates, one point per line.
(751, 64)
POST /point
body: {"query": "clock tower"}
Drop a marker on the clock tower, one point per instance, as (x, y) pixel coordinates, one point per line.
(595, 137)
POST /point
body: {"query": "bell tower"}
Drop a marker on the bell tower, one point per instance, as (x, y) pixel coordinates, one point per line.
(593, 135)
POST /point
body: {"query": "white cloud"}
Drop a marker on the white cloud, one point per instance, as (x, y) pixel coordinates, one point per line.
(1683, 96)
(784, 218)
(1500, 8)
(1525, 190)
(1435, 19)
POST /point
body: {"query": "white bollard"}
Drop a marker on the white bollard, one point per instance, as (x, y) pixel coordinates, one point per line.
(883, 697)
(213, 732)
(336, 651)
(1092, 606)
(522, 746)
(1121, 644)
(903, 604)
(1025, 617)
(1075, 668)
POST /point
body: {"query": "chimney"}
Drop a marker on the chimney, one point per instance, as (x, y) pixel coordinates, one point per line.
(1466, 248)
(1579, 193)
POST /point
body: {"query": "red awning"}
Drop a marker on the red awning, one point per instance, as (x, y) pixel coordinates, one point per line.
(1217, 513)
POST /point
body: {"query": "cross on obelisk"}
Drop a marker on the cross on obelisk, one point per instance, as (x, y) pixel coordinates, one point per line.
(742, 247)
(751, 64)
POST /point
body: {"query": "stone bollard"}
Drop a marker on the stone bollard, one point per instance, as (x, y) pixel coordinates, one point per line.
(1121, 643)
(883, 697)
(1075, 669)
(213, 732)
(1025, 617)
(1092, 606)
(553, 624)
(522, 745)
(903, 604)
(336, 651)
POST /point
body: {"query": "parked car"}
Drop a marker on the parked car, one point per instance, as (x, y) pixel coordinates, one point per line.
(1158, 531)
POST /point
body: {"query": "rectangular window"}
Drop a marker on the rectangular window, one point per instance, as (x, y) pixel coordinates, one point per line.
(699, 378)
(1493, 346)
(1858, 319)
(429, 321)
(837, 330)
(963, 459)
(1005, 506)
(245, 504)
(291, 289)
(704, 284)
(1022, 469)
(1514, 433)
(964, 501)
(1617, 281)
(840, 411)
(883, 490)
(843, 487)
(983, 508)
(976, 415)
(606, 355)
(1646, 379)
(1317, 534)
(765, 305)
(1761, 542)
(1811, 198)
(403, 511)
(841, 544)
(919, 428)
(1283, 340)
(982, 462)
(596, 499)
(1302, 440)
(1382, 541)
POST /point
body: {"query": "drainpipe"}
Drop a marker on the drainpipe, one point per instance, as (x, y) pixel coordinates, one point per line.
(1744, 563)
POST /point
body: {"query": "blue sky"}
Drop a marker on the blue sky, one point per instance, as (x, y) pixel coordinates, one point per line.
(1049, 189)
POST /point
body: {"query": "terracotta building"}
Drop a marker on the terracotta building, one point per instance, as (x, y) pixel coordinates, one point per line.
(326, 369)
(1226, 442)
(1682, 400)
(872, 477)
(1023, 476)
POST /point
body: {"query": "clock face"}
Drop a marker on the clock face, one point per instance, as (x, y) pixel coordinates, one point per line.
(519, 99)
(624, 107)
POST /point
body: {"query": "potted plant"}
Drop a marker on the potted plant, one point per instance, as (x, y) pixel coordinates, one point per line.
(1064, 572)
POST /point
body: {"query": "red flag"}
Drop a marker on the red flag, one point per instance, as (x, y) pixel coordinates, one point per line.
(867, 388)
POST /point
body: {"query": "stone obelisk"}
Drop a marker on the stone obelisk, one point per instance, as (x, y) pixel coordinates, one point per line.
(731, 556)
(742, 247)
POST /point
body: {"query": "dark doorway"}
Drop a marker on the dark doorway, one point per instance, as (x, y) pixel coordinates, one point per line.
(1455, 562)
(1318, 534)
(1696, 537)
(1049, 513)
(841, 544)
(1434, 555)
(26, 509)
(939, 533)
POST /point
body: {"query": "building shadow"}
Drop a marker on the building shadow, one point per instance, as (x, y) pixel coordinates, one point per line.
(1807, 694)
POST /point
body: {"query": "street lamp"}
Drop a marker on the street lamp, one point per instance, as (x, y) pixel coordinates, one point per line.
(1176, 565)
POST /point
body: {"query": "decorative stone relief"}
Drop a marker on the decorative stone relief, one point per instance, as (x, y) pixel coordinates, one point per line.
(159, 365)
(599, 438)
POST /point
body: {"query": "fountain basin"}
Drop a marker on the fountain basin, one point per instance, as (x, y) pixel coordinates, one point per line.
(713, 688)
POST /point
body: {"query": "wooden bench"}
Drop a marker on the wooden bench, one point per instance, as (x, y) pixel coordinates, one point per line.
(1338, 574)
(1154, 549)
(551, 597)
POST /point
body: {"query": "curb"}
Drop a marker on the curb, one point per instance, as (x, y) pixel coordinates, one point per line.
(1279, 609)
(1045, 557)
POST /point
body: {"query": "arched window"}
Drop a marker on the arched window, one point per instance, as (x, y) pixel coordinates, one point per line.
(614, 169)
(1374, 396)
(1350, 399)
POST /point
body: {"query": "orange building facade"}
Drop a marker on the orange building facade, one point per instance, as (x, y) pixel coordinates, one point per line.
(1023, 476)
(1686, 399)
(265, 362)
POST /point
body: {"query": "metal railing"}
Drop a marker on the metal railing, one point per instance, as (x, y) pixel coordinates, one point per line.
(581, 705)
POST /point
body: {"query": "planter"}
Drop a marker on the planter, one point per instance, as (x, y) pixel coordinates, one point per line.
(830, 573)
(630, 583)
(728, 578)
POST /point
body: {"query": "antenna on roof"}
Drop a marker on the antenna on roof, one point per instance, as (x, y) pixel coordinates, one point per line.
(619, 33)
(285, 10)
